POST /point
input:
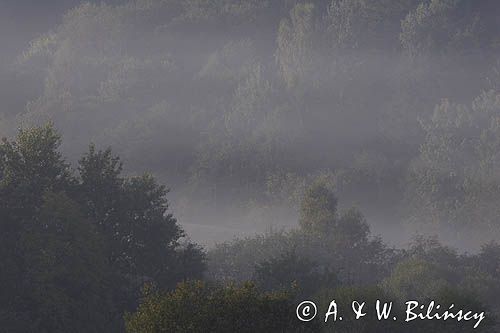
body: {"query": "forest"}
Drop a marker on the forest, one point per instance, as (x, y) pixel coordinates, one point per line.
(207, 165)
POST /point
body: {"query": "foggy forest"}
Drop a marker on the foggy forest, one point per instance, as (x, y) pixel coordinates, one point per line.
(207, 165)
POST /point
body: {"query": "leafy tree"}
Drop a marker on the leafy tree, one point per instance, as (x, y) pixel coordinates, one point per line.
(489, 258)
(318, 214)
(423, 269)
(328, 242)
(77, 249)
(67, 280)
(143, 240)
(481, 277)
(416, 278)
(29, 166)
(453, 180)
(318, 211)
(198, 307)
(294, 54)
(290, 271)
(55, 274)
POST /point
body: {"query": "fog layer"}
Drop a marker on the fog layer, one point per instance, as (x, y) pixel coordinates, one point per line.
(238, 106)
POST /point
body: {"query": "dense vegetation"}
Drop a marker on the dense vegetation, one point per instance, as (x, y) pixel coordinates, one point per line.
(269, 119)
(332, 255)
(77, 246)
(239, 105)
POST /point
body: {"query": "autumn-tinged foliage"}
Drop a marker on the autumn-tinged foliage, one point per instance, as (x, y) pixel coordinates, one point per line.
(304, 127)
(198, 307)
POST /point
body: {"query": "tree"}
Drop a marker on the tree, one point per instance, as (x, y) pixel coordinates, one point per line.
(31, 165)
(198, 307)
(67, 279)
(143, 241)
(453, 180)
(54, 276)
(76, 250)
(359, 24)
(291, 270)
(318, 210)
(416, 279)
(295, 37)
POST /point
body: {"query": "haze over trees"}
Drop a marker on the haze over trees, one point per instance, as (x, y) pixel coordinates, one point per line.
(313, 148)
(238, 104)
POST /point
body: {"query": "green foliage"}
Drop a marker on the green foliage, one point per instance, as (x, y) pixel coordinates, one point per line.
(66, 276)
(242, 105)
(481, 276)
(341, 250)
(291, 271)
(32, 165)
(430, 271)
(143, 241)
(318, 212)
(76, 250)
(198, 307)
(57, 275)
(416, 278)
(265, 88)
(425, 268)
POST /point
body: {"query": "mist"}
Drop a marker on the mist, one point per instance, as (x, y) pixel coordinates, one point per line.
(226, 103)
(281, 150)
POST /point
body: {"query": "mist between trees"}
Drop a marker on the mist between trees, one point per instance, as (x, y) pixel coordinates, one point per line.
(269, 121)
(87, 249)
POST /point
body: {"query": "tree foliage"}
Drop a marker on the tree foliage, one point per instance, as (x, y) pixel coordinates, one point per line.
(75, 249)
(199, 307)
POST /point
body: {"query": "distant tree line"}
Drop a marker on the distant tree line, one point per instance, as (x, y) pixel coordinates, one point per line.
(233, 102)
(285, 112)
(91, 250)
